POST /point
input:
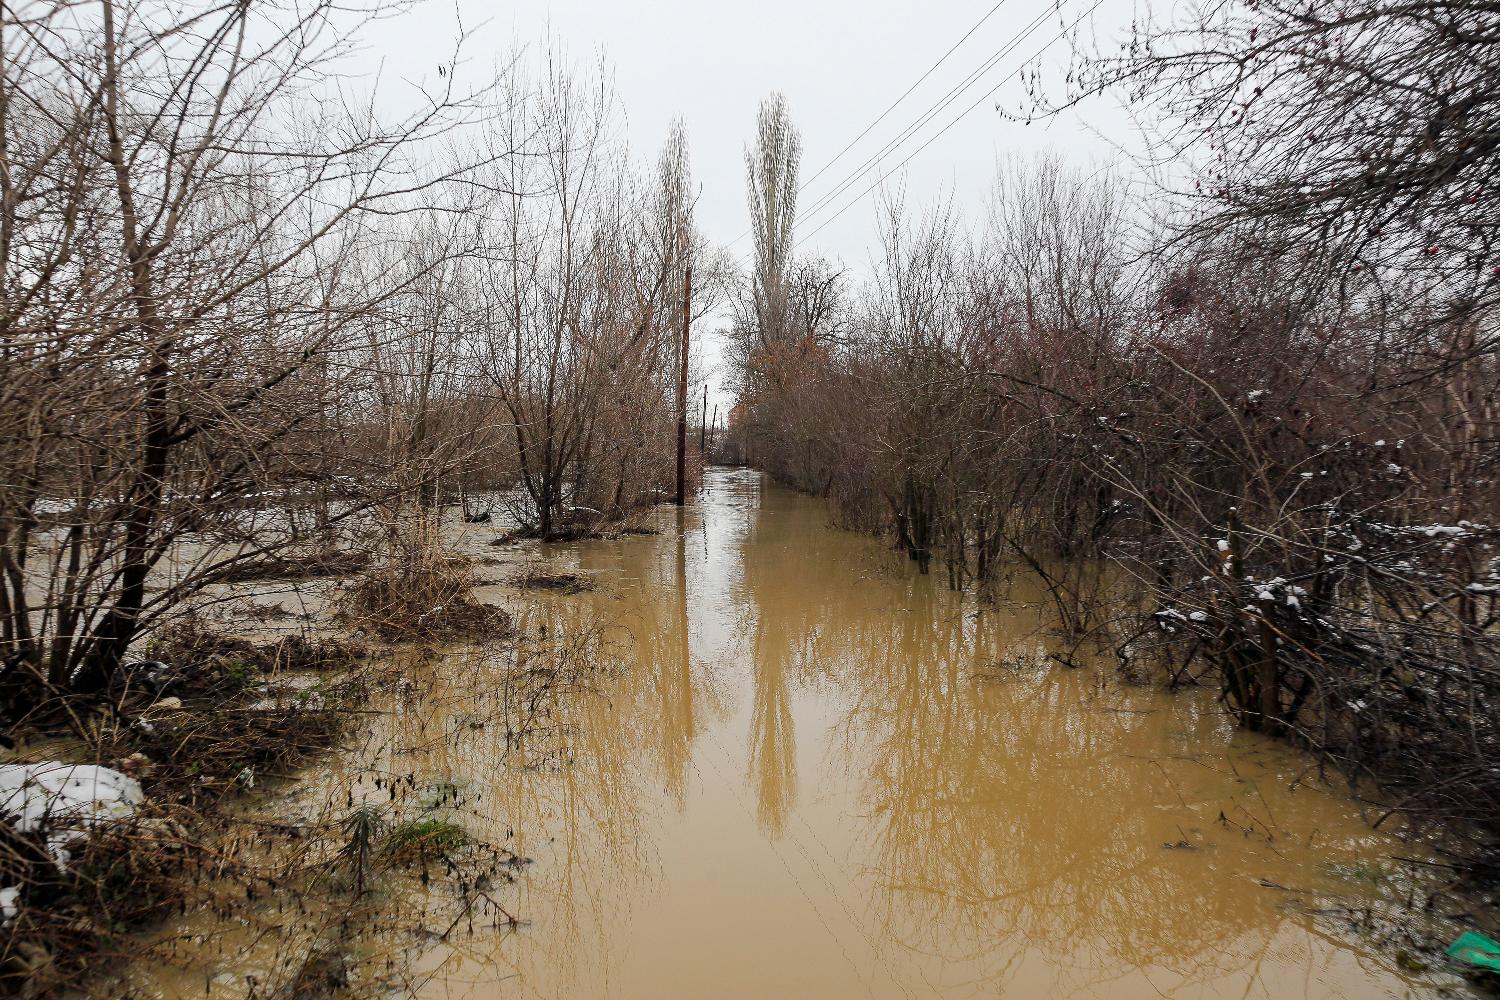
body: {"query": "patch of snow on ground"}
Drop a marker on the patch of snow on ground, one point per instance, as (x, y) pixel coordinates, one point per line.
(60, 800)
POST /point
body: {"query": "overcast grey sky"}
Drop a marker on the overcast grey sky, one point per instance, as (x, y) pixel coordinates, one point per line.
(839, 63)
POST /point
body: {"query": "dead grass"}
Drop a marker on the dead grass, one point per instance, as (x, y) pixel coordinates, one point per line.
(420, 604)
(420, 591)
(202, 733)
(537, 578)
(120, 877)
(203, 668)
(305, 566)
(268, 612)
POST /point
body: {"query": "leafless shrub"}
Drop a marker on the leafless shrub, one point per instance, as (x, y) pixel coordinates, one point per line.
(419, 590)
(1269, 468)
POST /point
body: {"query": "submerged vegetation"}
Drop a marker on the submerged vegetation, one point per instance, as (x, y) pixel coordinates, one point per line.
(256, 341)
(180, 740)
(1244, 428)
(1253, 441)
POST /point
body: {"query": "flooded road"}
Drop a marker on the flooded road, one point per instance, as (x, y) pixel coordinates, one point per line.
(815, 774)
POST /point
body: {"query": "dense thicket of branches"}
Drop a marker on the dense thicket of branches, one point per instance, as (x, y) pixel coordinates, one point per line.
(238, 314)
(1273, 410)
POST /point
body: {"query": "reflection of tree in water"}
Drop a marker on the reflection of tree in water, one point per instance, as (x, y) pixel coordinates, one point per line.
(792, 567)
(1013, 827)
(773, 739)
(582, 792)
(1012, 820)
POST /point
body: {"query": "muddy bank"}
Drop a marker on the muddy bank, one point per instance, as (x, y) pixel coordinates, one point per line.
(113, 810)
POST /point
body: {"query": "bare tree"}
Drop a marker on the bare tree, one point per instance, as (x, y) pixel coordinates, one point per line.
(174, 218)
(771, 171)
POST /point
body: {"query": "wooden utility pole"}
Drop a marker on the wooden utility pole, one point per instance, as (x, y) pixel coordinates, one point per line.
(715, 425)
(682, 374)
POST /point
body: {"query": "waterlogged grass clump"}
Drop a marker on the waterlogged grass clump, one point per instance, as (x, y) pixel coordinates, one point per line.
(418, 589)
(422, 839)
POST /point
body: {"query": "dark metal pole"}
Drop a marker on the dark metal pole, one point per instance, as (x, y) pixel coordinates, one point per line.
(703, 430)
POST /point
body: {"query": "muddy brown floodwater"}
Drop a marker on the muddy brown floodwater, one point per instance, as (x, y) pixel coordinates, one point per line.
(816, 774)
(822, 776)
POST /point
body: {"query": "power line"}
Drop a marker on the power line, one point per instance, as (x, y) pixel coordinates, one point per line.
(882, 116)
(963, 114)
(905, 94)
(932, 112)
